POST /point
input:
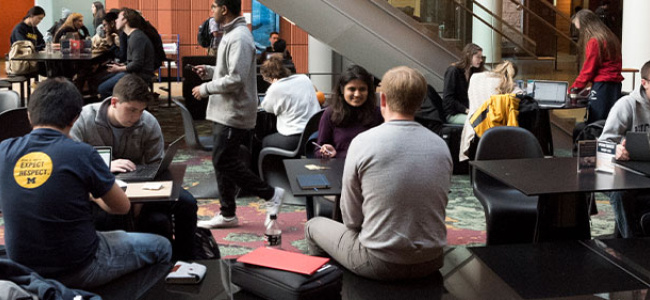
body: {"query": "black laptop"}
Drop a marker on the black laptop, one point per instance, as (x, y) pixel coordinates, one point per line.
(150, 171)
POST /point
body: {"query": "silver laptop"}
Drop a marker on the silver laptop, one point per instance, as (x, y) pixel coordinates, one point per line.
(150, 171)
(637, 144)
(550, 94)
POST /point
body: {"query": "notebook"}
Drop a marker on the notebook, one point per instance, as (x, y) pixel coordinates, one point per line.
(313, 181)
(636, 143)
(149, 172)
(283, 260)
(550, 94)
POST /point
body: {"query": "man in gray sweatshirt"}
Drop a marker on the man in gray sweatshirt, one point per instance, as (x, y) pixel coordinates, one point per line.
(630, 113)
(232, 107)
(395, 184)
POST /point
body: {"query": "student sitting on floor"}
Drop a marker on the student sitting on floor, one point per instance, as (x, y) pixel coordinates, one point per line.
(45, 180)
(135, 135)
(393, 226)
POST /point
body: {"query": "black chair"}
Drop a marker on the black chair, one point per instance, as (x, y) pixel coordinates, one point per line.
(311, 127)
(510, 215)
(14, 123)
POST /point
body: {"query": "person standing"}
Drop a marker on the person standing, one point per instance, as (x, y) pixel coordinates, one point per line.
(393, 226)
(232, 108)
(217, 33)
(98, 14)
(602, 65)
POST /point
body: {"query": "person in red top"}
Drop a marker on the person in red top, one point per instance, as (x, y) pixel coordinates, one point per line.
(602, 65)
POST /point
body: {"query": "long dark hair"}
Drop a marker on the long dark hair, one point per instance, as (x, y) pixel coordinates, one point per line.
(465, 62)
(343, 114)
(34, 11)
(99, 10)
(591, 27)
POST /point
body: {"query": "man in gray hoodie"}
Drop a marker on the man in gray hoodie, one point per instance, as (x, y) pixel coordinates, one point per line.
(630, 113)
(232, 107)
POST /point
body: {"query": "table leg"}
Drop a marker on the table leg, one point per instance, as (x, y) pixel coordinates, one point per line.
(562, 217)
(169, 83)
(309, 207)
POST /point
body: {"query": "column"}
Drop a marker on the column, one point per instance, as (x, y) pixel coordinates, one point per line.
(635, 45)
(320, 61)
(483, 35)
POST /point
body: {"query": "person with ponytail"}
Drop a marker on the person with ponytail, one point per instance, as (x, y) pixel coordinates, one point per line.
(454, 94)
(481, 87)
(27, 30)
(602, 65)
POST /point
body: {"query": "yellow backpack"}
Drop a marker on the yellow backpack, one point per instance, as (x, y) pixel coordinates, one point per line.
(21, 67)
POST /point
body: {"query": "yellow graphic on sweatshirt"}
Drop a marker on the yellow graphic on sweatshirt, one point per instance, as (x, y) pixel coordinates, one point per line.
(33, 169)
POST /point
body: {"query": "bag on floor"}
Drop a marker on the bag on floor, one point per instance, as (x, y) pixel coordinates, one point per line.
(268, 283)
(205, 247)
(21, 67)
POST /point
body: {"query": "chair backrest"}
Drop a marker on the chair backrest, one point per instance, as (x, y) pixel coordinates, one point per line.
(507, 142)
(191, 135)
(310, 128)
(14, 123)
(9, 100)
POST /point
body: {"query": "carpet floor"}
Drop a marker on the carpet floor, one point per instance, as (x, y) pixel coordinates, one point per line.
(465, 220)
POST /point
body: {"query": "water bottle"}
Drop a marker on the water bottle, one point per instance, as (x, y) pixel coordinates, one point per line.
(273, 234)
(65, 45)
(48, 48)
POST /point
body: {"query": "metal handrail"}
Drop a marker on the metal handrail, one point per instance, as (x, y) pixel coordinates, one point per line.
(557, 32)
(496, 30)
(505, 23)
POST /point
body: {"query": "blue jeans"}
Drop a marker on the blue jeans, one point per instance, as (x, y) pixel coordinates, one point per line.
(105, 88)
(119, 253)
(628, 208)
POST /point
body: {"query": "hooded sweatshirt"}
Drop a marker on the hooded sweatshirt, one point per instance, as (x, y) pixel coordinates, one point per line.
(630, 113)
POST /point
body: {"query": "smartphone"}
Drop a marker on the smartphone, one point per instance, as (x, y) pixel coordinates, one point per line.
(189, 66)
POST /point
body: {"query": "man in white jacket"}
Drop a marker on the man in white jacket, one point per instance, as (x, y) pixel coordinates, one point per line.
(232, 107)
(630, 113)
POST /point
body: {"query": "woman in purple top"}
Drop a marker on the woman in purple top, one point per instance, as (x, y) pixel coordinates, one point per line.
(351, 110)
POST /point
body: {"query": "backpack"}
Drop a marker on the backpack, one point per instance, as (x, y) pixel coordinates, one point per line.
(156, 40)
(21, 67)
(584, 132)
(205, 247)
(204, 38)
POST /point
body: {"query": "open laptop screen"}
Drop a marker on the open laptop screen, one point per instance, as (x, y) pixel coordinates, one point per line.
(105, 153)
(550, 91)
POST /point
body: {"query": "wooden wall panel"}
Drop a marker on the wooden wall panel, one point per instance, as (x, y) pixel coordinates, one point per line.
(202, 5)
(151, 15)
(300, 55)
(112, 4)
(181, 5)
(165, 22)
(148, 5)
(181, 25)
(165, 5)
(134, 4)
(11, 13)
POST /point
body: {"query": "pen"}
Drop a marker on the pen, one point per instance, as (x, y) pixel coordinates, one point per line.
(321, 147)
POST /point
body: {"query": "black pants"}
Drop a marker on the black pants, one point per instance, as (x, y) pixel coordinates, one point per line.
(231, 171)
(277, 140)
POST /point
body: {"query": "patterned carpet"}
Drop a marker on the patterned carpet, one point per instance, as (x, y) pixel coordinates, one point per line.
(465, 220)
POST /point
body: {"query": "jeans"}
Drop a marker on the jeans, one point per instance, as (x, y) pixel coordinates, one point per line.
(119, 253)
(230, 169)
(628, 208)
(326, 236)
(105, 88)
(157, 218)
(602, 98)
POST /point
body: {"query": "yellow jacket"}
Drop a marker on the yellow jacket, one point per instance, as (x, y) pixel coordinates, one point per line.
(499, 110)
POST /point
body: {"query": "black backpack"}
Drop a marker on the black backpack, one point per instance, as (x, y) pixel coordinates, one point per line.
(205, 247)
(203, 37)
(156, 40)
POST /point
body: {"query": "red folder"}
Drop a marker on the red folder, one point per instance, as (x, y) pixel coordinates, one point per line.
(283, 260)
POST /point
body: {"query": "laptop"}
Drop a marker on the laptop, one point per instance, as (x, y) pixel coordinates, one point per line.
(150, 171)
(636, 143)
(105, 152)
(550, 94)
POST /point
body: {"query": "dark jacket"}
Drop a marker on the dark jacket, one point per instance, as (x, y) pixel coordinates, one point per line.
(454, 94)
(23, 31)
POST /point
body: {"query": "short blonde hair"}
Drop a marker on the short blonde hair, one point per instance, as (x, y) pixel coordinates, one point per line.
(405, 89)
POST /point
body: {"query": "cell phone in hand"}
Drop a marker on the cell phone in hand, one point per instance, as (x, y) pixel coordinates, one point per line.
(190, 67)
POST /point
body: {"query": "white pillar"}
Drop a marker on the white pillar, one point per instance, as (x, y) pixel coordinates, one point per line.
(635, 45)
(483, 35)
(320, 61)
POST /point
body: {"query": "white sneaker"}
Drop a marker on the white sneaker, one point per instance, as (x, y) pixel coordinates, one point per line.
(273, 205)
(219, 221)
